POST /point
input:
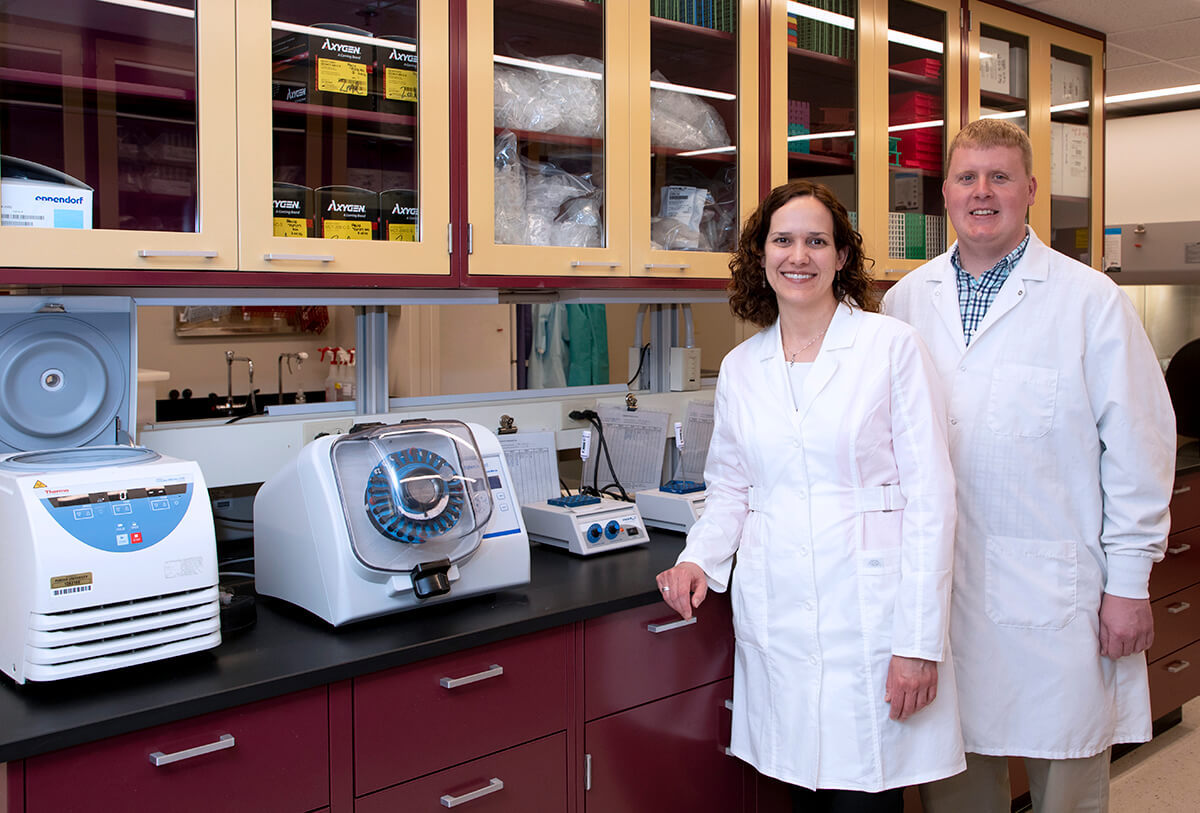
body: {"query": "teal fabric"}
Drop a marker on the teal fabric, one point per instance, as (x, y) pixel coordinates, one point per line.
(587, 345)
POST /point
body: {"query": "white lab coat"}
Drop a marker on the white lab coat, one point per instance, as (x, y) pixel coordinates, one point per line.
(1063, 442)
(829, 582)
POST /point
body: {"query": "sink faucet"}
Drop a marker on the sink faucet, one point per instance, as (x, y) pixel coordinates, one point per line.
(300, 358)
(230, 358)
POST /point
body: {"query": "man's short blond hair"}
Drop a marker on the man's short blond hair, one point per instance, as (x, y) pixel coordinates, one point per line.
(984, 133)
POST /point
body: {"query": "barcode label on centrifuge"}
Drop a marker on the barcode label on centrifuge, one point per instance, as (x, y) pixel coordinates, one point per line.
(86, 588)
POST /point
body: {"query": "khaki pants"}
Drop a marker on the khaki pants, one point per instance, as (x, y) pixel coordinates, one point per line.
(1056, 785)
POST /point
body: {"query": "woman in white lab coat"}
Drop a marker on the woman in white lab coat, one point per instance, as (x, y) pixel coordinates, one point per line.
(829, 480)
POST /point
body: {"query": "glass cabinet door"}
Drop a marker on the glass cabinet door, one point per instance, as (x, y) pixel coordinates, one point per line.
(820, 69)
(547, 138)
(345, 123)
(923, 112)
(1071, 128)
(115, 120)
(1003, 76)
(695, 165)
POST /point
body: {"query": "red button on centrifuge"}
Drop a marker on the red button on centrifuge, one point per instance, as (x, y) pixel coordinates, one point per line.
(135, 538)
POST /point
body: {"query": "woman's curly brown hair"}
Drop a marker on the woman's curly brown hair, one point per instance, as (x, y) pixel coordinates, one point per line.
(753, 300)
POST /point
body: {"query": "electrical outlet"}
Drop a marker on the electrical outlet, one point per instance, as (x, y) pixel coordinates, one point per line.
(571, 406)
(333, 426)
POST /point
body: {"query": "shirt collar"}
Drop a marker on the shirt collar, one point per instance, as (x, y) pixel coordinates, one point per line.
(998, 272)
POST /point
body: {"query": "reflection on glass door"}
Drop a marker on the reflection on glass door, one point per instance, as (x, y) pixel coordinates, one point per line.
(1070, 153)
(98, 115)
(1004, 76)
(916, 130)
(549, 78)
(693, 126)
(822, 96)
(344, 121)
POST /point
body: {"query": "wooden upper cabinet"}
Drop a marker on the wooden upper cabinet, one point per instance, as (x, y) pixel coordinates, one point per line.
(343, 155)
(1050, 81)
(116, 130)
(606, 139)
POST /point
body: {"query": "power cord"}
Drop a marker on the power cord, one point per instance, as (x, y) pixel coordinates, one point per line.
(641, 360)
(593, 418)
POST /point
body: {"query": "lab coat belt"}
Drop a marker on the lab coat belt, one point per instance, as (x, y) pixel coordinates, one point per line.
(857, 500)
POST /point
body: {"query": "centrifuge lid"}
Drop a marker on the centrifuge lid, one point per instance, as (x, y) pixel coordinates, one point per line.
(86, 457)
(65, 372)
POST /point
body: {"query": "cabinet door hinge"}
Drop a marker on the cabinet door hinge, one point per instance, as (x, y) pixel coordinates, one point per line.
(470, 239)
(587, 771)
(450, 238)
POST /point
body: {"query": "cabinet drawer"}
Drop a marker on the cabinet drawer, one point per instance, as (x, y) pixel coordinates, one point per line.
(528, 777)
(1185, 502)
(418, 719)
(1176, 621)
(278, 760)
(1180, 566)
(668, 755)
(1174, 680)
(626, 664)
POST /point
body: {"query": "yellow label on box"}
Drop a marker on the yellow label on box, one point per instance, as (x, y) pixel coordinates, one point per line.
(402, 231)
(347, 230)
(1081, 239)
(291, 227)
(336, 76)
(400, 85)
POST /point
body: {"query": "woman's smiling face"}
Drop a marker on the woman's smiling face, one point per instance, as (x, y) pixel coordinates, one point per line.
(799, 256)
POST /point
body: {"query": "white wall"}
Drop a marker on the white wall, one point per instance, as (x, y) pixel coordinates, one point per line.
(1152, 168)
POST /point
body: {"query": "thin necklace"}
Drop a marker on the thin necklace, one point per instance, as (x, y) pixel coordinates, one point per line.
(811, 342)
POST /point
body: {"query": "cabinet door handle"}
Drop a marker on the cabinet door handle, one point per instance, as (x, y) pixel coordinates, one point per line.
(203, 253)
(678, 266)
(586, 264)
(495, 670)
(1177, 666)
(158, 758)
(1182, 547)
(673, 625)
(1181, 490)
(1178, 607)
(491, 787)
(301, 258)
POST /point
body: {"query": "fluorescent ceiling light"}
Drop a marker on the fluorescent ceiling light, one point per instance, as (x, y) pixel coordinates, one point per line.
(842, 21)
(1151, 94)
(709, 151)
(1009, 114)
(533, 64)
(365, 39)
(691, 91)
(145, 5)
(1059, 108)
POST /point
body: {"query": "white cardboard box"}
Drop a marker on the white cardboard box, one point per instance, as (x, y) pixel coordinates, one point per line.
(46, 205)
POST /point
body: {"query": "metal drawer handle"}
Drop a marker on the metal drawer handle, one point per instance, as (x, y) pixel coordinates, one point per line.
(1181, 490)
(205, 254)
(587, 264)
(1178, 549)
(158, 758)
(1177, 666)
(1178, 607)
(495, 670)
(679, 266)
(673, 625)
(491, 787)
(304, 258)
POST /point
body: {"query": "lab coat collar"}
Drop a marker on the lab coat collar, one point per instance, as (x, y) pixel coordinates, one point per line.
(943, 289)
(843, 328)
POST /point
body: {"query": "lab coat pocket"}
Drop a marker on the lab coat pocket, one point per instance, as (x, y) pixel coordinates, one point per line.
(878, 584)
(1021, 400)
(748, 593)
(1031, 583)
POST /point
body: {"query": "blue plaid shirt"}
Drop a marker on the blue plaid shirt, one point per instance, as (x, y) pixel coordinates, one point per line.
(975, 296)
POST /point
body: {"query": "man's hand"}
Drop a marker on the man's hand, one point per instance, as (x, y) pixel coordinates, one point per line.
(683, 587)
(911, 686)
(1126, 626)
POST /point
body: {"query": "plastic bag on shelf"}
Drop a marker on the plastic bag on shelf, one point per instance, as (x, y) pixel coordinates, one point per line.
(509, 192)
(578, 100)
(696, 213)
(517, 99)
(683, 121)
(563, 209)
(674, 235)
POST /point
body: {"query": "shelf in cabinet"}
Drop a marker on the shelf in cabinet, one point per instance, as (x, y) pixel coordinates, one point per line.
(1002, 101)
(915, 79)
(564, 11)
(596, 144)
(817, 159)
(1070, 199)
(58, 80)
(671, 152)
(823, 59)
(349, 114)
(678, 33)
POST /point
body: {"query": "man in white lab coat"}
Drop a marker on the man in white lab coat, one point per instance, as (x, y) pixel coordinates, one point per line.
(1062, 438)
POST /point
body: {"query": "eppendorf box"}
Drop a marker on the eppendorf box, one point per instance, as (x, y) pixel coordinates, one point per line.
(42, 197)
(324, 69)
